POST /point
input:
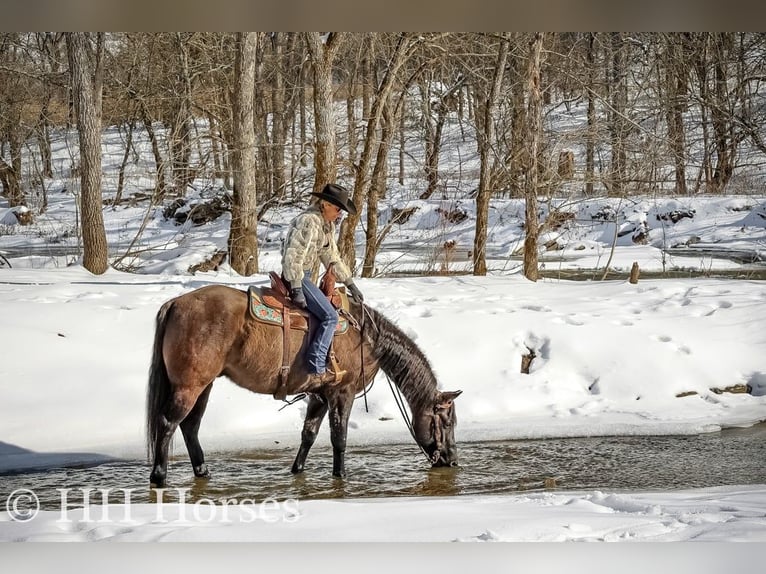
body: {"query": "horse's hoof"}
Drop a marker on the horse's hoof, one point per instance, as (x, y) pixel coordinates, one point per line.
(201, 471)
(296, 469)
(157, 479)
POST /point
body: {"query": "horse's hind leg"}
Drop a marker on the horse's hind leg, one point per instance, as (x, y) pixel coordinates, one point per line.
(179, 405)
(315, 413)
(190, 430)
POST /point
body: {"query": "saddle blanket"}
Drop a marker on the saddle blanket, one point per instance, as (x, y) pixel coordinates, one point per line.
(266, 308)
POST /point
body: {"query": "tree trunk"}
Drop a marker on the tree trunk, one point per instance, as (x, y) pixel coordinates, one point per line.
(351, 115)
(486, 137)
(590, 138)
(131, 125)
(675, 90)
(379, 172)
(9, 180)
(515, 156)
(243, 240)
(302, 108)
(180, 121)
(700, 67)
(264, 157)
(278, 129)
(322, 54)
(618, 125)
(160, 186)
(402, 143)
(215, 145)
(86, 69)
(44, 140)
(721, 113)
(534, 135)
(434, 128)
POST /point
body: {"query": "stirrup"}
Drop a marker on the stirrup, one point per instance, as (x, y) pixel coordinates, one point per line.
(281, 391)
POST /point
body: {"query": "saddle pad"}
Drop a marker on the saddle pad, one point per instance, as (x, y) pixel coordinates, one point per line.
(264, 313)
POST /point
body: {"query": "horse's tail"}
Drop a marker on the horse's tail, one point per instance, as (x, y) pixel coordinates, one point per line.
(158, 392)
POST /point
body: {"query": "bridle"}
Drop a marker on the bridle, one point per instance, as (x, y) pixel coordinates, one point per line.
(438, 418)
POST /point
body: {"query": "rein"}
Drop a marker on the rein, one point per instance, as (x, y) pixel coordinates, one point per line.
(401, 404)
(399, 400)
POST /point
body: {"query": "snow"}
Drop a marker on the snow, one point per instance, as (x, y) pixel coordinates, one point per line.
(611, 358)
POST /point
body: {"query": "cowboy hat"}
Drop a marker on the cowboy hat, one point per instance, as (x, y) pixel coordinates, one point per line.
(337, 195)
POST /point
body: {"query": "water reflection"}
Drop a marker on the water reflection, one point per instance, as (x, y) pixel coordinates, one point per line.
(664, 462)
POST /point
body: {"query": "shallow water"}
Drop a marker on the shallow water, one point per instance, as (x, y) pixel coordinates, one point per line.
(734, 456)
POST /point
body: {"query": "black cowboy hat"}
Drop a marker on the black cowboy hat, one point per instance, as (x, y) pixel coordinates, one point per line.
(337, 195)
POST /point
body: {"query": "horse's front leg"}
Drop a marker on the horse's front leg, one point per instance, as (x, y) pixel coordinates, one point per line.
(315, 413)
(340, 409)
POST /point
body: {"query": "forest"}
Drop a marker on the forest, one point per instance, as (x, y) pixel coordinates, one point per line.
(270, 115)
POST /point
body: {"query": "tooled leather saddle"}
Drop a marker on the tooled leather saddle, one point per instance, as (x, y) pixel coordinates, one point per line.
(272, 305)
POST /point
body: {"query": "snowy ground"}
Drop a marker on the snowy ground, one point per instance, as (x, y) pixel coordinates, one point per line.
(611, 359)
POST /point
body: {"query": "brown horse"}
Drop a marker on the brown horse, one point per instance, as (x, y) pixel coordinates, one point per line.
(208, 333)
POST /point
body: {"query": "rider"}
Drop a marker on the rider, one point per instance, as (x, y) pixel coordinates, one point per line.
(310, 239)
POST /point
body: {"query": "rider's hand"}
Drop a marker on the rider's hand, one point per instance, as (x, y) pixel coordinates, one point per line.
(355, 292)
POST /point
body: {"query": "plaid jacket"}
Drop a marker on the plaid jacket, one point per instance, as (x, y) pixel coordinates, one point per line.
(310, 239)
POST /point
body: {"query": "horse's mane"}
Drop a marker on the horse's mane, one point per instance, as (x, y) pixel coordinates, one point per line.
(401, 359)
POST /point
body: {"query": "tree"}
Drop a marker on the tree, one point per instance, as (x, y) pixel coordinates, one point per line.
(676, 66)
(12, 99)
(618, 108)
(243, 242)
(86, 69)
(437, 102)
(322, 52)
(533, 136)
(590, 137)
(178, 113)
(362, 180)
(486, 138)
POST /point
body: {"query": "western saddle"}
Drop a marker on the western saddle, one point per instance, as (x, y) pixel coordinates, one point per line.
(273, 305)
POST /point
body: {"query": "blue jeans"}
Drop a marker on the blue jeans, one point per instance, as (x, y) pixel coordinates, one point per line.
(318, 305)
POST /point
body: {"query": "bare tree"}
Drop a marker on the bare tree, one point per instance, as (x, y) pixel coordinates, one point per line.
(362, 181)
(591, 133)
(243, 244)
(617, 117)
(11, 113)
(51, 47)
(486, 139)
(534, 134)
(86, 67)
(676, 66)
(322, 52)
(437, 102)
(280, 43)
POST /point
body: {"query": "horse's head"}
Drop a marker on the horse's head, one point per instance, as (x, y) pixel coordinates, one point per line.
(434, 429)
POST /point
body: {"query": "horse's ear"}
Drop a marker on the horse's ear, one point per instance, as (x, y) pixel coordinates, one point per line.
(446, 397)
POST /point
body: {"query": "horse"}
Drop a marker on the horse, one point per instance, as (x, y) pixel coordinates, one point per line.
(208, 333)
